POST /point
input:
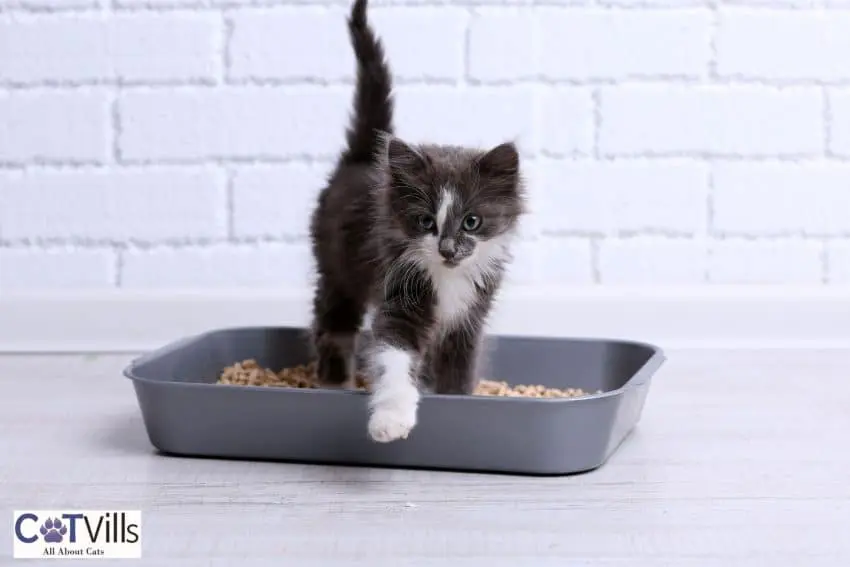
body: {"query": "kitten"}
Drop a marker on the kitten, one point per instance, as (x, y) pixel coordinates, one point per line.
(420, 233)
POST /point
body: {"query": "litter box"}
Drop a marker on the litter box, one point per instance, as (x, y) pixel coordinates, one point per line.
(186, 413)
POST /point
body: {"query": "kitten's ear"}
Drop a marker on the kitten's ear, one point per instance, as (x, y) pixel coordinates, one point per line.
(503, 160)
(402, 157)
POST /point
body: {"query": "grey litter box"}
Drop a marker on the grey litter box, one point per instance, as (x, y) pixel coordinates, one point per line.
(186, 413)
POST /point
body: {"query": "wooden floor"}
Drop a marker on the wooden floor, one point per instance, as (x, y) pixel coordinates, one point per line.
(741, 458)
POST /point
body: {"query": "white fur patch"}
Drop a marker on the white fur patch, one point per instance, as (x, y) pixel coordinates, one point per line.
(455, 286)
(395, 398)
(455, 293)
(446, 200)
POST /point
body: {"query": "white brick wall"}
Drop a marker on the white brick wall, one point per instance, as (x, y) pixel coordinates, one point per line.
(180, 143)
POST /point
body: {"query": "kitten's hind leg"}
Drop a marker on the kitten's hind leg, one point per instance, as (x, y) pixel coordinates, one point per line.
(337, 318)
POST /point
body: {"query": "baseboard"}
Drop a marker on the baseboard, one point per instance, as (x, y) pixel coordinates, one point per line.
(693, 317)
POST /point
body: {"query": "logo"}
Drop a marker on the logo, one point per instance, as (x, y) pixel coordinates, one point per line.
(77, 534)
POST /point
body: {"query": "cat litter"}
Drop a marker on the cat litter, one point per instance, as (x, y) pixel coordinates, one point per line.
(186, 411)
(250, 373)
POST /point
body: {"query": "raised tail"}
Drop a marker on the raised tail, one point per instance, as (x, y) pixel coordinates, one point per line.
(373, 102)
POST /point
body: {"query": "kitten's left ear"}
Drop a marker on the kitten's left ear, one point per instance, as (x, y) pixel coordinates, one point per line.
(503, 160)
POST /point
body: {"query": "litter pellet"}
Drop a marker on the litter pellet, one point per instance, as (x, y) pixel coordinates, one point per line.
(249, 373)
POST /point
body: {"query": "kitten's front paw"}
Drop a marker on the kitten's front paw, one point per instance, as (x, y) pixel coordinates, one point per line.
(391, 424)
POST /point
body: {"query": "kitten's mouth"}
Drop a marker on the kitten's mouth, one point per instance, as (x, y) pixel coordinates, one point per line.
(451, 263)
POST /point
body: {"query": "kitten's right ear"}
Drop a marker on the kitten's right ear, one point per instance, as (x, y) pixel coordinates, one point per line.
(402, 157)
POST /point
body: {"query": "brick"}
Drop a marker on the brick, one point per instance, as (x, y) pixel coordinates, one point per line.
(423, 42)
(565, 261)
(604, 44)
(54, 126)
(789, 45)
(276, 201)
(34, 269)
(746, 120)
(652, 261)
(771, 199)
(532, 174)
(766, 262)
(234, 122)
(839, 127)
(298, 42)
(312, 42)
(565, 121)
(131, 47)
(118, 204)
(607, 197)
(838, 261)
(477, 116)
(271, 266)
(525, 268)
(501, 44)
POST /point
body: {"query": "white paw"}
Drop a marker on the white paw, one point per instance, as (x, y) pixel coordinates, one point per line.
(390, 424)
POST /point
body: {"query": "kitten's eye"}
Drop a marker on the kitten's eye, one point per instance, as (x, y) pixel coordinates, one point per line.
(426, 222)
(471, 223)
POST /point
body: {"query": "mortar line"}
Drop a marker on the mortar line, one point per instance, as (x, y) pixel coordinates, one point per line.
(136, 244)
(224, 55)
(534, 79)
(710, 232)
(827, 122)
(595, 269)
(714, 6)
(230, 203)
(107, 7)
(115, 124)
(327, 160)
(118, 266)
(596, 96)
(465, 78)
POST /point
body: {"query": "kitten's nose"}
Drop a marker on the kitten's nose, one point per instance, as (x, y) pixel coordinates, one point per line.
(448, 248)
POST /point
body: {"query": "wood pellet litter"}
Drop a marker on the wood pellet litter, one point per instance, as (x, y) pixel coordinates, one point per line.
(249, 373)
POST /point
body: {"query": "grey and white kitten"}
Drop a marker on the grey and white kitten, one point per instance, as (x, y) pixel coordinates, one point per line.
(419, 233)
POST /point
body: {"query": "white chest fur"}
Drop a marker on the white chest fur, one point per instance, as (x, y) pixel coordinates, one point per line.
(455, 288)
(455, 291)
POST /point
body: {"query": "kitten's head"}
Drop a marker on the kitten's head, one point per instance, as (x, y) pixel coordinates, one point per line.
(455, 206)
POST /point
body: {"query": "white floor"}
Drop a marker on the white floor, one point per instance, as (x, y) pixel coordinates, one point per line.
(741, 458)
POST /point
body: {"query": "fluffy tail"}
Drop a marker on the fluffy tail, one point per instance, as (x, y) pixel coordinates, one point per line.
(373, 103)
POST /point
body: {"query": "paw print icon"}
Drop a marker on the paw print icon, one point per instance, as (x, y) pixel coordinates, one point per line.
(53, 530)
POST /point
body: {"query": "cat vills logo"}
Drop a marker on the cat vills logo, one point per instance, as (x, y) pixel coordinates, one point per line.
(77, 534)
